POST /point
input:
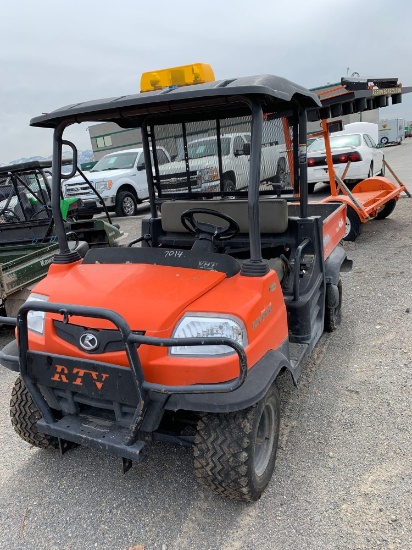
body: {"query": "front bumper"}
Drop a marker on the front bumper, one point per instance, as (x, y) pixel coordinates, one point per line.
(122, 389)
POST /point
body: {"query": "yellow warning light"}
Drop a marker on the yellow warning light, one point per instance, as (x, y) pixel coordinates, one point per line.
(186, 75)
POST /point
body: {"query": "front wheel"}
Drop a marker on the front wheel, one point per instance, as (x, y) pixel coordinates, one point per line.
(126, 204)
(24, 416)
(235, 453)
(353, 225)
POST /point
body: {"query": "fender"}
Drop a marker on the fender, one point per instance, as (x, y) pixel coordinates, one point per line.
(9, 357)
(259, 379)
(335, 263)
(375, 184)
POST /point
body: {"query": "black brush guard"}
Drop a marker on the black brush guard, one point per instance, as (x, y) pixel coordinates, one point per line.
(36, 367)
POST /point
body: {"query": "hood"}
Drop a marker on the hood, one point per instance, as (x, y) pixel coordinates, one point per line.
(150, 297)
(194, 164)
(105, 175)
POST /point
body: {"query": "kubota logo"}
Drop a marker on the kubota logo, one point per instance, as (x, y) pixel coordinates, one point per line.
(88, 341)
(62, 375)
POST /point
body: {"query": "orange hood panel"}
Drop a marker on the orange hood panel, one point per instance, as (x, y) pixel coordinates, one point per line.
(153, 304)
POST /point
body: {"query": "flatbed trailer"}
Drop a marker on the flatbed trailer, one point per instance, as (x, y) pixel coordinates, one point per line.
(372, 198)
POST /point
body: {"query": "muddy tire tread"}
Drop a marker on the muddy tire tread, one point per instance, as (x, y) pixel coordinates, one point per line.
(24, 416)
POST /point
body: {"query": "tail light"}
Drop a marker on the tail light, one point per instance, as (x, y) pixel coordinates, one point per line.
(355, 157)
(345, 157)
(311, 162)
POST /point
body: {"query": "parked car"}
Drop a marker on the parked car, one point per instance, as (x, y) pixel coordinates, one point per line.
(365, 156)
(119, 178)
(235, 151)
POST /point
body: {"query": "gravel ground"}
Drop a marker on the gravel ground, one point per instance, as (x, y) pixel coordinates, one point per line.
(343, 478)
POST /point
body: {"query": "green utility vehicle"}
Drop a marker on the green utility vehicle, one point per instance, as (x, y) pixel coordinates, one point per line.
(27, 232)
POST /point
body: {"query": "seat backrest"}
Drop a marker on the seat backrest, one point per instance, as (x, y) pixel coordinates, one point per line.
(273, 214)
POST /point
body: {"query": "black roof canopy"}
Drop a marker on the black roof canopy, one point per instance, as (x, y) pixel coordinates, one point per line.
(224, 96)
(29, 166)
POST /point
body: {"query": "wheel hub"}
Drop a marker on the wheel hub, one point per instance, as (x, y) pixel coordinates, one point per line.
(264, 439)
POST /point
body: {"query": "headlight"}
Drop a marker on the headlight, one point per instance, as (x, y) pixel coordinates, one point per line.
(102, 186)
(35, 319)
(202, 325)
(208, 174)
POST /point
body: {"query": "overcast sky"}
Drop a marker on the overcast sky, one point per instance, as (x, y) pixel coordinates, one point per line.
(55, 53)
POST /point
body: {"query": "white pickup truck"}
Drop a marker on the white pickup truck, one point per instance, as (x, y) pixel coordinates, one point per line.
(119, 178)
(204, 164)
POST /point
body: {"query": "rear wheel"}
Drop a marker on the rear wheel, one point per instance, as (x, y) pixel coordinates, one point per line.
(229, 186)
(311, 188)
(24, 416)
(333, 313)
(386, 210)
(235, 453)
(384, 140)
(126, 204)
(282, 176)
(353, 225)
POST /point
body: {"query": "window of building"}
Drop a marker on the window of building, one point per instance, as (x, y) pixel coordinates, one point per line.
(103, 141)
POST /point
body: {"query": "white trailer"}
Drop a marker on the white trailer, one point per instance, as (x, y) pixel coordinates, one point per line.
(369, 128)
(391, 131)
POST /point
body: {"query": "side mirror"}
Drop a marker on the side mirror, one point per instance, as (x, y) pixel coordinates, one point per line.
(141, 166)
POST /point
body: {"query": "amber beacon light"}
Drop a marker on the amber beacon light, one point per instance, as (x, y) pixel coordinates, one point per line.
(186, 75)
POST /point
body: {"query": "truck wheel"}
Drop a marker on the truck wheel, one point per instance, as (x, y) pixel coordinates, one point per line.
(386, 210)
(235, 453)
(353, 225)
(384, 140)
(24, 416)
(333, 314)
(282, 177)
(126, 204)
(229, 186)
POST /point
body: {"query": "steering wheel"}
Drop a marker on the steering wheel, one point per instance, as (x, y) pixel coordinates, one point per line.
(46, 212)
(209, 231)
(9, 215)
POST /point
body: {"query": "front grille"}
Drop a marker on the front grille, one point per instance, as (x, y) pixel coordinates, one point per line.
(75, 189)
(108, 340)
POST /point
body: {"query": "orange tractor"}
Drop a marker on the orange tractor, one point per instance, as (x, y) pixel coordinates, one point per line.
(183, 337)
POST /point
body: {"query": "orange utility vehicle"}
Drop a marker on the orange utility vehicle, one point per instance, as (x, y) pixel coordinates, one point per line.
(183, 337)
